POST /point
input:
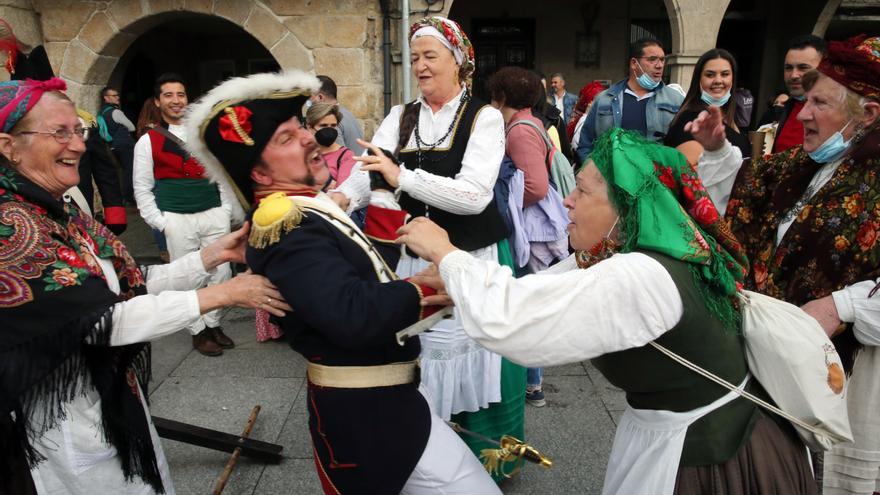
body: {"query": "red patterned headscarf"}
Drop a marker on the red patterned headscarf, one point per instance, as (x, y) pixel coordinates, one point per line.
(855, 63)
(18, 97)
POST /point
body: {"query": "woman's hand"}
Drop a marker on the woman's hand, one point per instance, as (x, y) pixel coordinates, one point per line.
(430, 277)
(378, 162)
(229, 248)
(245, 291)
(708, 129)
(426, 239)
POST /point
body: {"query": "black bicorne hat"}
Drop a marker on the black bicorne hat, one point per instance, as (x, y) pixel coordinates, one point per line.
(229, 127)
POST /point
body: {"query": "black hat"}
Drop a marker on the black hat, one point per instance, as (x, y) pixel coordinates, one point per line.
(228, 128)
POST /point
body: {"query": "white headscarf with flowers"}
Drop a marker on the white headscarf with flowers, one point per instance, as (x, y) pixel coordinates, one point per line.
(450, 34)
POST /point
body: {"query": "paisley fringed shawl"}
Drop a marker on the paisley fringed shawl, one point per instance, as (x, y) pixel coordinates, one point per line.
(57, 318)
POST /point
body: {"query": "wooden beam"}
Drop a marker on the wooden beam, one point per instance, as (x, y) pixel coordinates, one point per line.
(217, 440)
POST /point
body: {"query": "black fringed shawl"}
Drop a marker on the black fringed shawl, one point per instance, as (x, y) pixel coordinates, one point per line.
(56, 319)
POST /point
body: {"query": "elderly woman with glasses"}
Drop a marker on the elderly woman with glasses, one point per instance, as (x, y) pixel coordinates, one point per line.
(76, 314)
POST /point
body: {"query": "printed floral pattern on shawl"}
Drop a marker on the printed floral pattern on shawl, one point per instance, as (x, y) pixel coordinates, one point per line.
(833, 241)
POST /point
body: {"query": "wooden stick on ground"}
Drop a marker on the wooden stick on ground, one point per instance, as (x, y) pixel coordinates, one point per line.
(227, 472)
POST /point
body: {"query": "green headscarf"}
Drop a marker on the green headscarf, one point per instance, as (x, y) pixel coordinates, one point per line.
(664, 207)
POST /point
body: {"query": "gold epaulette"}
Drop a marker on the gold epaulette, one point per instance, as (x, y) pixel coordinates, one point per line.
(276, 215)
(86, 116)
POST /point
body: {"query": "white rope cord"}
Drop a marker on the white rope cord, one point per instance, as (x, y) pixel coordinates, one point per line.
(746, 395)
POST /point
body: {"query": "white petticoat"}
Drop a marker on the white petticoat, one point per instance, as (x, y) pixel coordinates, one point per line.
(459, 373)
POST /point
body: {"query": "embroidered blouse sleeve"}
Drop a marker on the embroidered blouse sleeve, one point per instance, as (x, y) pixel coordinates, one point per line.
(546, 319)
(170, 305)
(471, 190)
(856, 307)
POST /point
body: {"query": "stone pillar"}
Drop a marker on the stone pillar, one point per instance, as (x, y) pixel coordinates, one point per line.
(695, 25)
(25, 24)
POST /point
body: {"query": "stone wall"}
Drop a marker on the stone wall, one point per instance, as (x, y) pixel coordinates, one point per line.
(85, 39)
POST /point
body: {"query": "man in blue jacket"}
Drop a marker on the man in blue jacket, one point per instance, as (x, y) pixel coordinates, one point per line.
(641, 102)
(562, 99)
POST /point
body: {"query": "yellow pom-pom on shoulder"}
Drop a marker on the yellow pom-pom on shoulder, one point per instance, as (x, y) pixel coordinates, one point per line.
(276, 215)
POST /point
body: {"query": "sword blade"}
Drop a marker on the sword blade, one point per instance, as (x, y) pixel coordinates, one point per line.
(422, 326)
(458, 429)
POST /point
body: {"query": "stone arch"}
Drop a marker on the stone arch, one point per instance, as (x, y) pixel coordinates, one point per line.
(703, 20)
(86, 40)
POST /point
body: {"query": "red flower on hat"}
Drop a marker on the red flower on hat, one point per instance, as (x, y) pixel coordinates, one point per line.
(235, 126)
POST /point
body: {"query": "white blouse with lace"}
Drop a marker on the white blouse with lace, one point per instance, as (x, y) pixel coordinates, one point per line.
(460, 374)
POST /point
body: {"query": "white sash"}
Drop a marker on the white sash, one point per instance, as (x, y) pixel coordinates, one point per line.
(330, 211)
(647, 448)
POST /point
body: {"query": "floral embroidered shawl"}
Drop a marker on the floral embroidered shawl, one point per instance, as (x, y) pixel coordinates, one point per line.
(57, 316)
(833, 241)
(664, 207)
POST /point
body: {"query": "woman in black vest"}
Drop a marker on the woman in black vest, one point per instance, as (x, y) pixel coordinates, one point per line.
(654, 263)
(450, 145)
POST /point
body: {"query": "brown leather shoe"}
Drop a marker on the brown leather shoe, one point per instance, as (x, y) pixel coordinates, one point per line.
(220, 338)
(204, 343)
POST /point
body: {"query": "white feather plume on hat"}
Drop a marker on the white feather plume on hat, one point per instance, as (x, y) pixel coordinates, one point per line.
(228, 93)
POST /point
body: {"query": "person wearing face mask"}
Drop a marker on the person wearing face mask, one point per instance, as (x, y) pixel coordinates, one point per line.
(323, 120)
(641, 102)
(714, 77)
(809, 218)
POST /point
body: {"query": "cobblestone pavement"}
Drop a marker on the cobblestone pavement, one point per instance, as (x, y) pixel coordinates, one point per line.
(575, 429)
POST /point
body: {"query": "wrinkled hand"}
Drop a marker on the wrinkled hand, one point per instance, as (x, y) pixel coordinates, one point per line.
(825, 312)
(378, 162)
(255, 291)
(229, 248)
(430, 277)
(426, 239)
(708, 129)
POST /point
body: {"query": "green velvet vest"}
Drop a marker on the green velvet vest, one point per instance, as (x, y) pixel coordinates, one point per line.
(652, 380)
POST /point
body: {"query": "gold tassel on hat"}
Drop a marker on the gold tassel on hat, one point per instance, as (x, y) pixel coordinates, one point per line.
(276, 215)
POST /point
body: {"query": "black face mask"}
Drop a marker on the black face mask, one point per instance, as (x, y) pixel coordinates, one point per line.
(326, 136)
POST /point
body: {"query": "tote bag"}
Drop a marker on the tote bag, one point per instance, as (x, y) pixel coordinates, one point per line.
(796, 363)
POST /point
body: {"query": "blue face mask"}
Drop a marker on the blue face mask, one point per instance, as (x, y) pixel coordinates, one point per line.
(832, 149)
(708, 99)
(645, 81)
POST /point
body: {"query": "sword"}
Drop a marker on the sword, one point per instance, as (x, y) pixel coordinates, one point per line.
(508, 449)
(422, 326)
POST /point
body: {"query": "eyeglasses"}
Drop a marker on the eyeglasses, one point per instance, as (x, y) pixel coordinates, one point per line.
(62, 136)
(654, 60)
(112, 94)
